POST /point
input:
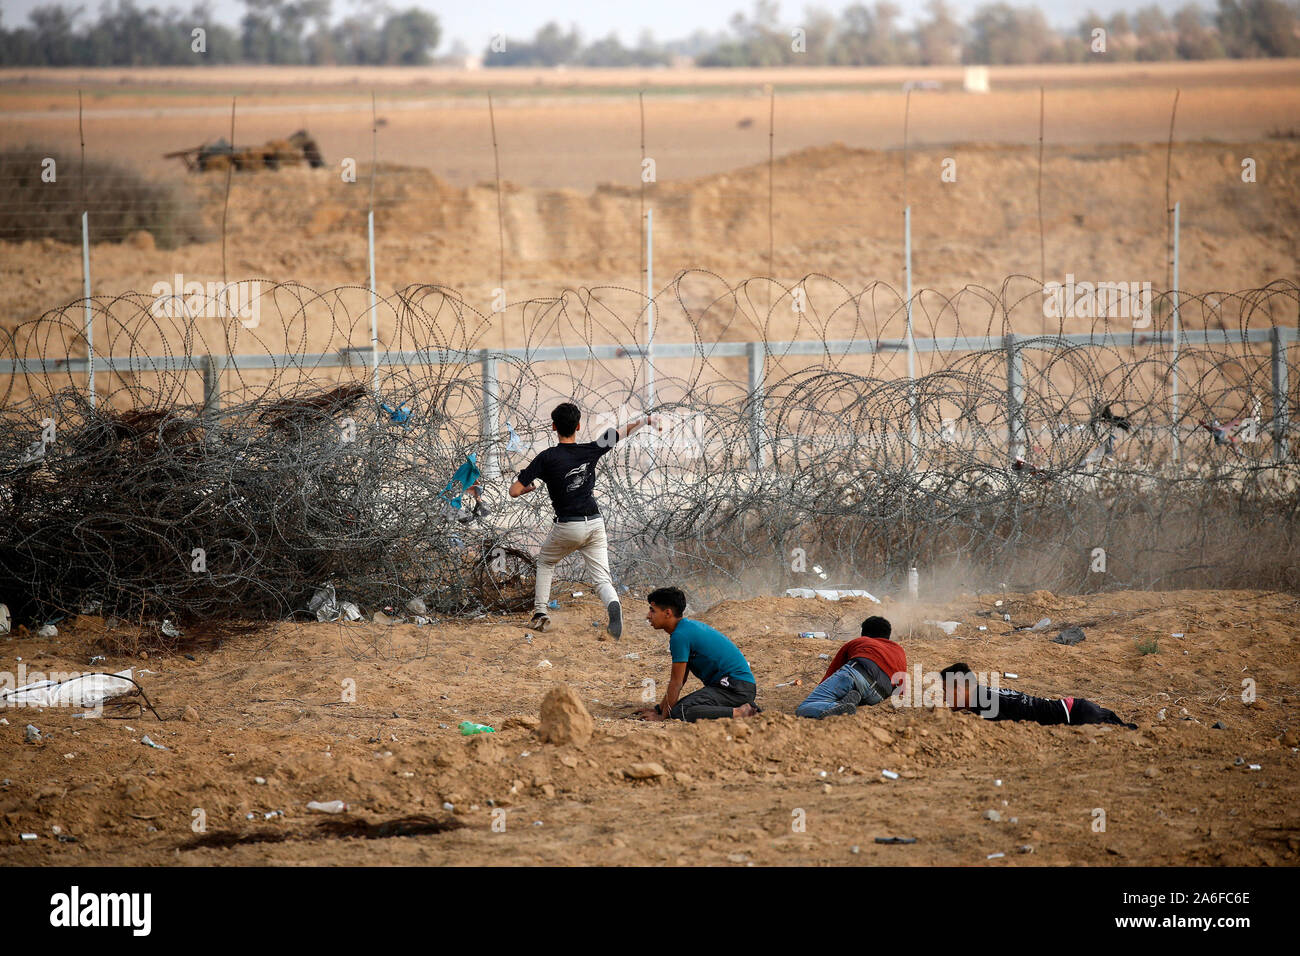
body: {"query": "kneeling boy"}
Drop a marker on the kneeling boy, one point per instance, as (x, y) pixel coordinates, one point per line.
(728, 689)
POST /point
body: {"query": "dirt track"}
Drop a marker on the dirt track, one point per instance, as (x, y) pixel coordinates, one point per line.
(270, 706)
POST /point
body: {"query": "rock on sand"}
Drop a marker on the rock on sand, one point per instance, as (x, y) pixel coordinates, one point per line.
(564, 718)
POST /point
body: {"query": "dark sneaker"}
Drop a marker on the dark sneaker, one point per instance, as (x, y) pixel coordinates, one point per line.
(843, 707)
(481, 510)
(540, 622)
(615, 619)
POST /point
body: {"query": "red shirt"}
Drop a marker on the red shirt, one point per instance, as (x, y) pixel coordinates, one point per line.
(887, 654)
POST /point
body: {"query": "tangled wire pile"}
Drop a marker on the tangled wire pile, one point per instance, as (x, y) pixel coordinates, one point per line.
(163, 500)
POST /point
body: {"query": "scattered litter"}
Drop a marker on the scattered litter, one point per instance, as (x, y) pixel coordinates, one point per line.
(1010, 675)
(421, 621)
(983, 627)
(4, 619)
(813, 634)
(448, 806)
(86, 690)
(1070, 636)
(1007, 618)
(997, 603)
(96, 658)
(29, 837)
(997, 783)
(350, 611)
(993, 815)
(995, 856)
(328, 806)
(913, 584)
(272, 814)
(537, 823)
(149, 743)
(324, 604)
(31, 735)
(824, 657)
(1025, 848)
(528, 638)
(169, 629)
(468, 728)
(1256, 766)
(631, 657)
(792, 683)
(895, 839)
(544, 664)
(1160, 714)
(417, 606)
(855, 850)
(259, 780)
(948, 627)
(829, 594)
(577, 593)
(553, 604)
(889, 774)
(379, 617)
(819, 572)
(48, 630)
(1042, 625)
(1179, 634)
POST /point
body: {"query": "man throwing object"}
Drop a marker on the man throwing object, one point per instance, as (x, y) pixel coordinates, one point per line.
(569, 471)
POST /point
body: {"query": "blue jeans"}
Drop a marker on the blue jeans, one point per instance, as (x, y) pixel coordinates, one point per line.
(835, 688)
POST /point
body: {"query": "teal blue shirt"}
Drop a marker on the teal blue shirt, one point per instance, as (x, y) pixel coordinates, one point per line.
(707, 653)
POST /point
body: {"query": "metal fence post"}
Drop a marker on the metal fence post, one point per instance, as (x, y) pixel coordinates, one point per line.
(490, 416)
(1281, 393)
(1015, 397)
(758, 413)
(211, 369)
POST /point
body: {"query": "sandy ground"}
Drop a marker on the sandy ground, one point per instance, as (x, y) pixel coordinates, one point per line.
(1176, 791)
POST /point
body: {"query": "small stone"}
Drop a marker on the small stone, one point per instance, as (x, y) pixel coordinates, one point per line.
(31, 735)
(191, 713)
(260, 781)
(565, 719)
(1160, 714)
(48, 631)
(1218, 725)
(855, 850)
(646, 771)
(1151, 772)
(1026, 848)
(993, 815)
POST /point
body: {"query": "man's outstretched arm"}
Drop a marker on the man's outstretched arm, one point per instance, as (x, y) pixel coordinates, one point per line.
(519, 488)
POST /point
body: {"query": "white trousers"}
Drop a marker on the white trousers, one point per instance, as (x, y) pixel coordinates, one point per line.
(565, 538)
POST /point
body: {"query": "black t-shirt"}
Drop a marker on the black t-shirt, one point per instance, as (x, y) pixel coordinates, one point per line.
(1014, 705)
(569, 471)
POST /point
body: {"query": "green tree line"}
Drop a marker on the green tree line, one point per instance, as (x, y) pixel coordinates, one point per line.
(301, 32)
(270, 31)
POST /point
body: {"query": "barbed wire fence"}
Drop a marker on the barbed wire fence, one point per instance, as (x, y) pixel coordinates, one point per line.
(237, 477)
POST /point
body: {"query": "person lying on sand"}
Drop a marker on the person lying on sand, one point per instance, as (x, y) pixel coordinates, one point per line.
(866, 670)
(729, 686)
(961, 692)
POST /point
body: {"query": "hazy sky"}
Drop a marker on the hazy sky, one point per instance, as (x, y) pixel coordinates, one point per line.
(474, 22)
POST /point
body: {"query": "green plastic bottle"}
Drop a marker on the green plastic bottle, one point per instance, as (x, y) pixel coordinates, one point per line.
(469, 728)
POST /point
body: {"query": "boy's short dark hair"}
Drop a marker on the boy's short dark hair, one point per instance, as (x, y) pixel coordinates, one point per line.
(876, 626)
(960, 669)
(566, 417)
(670, 599)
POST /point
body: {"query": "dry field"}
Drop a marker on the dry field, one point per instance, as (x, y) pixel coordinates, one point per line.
(1177, 791)
(267, 705)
